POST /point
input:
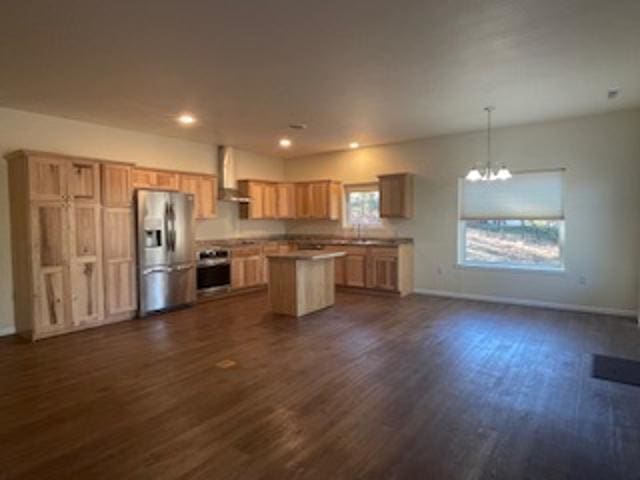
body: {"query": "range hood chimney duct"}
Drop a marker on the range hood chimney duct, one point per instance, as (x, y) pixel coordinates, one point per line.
(227, 185)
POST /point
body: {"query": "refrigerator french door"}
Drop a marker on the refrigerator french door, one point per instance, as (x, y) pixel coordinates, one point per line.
(166, 256)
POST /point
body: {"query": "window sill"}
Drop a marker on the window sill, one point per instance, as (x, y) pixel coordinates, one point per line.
(512, 269)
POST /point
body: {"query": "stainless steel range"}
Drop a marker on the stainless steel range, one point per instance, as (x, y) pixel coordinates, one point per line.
(214, 270)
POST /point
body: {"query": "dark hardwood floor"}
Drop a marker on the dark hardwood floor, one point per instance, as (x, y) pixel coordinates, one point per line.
(376, 387)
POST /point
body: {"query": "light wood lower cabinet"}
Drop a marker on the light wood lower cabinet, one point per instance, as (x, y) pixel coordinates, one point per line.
(119, 264)
(246, 267)
(383, 272)
(378, 268)
(355, 270)
(50, 303)
(87, 292)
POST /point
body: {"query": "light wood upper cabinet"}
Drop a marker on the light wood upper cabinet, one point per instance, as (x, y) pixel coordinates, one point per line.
(84, 181)
(303, 200)
(319, 200)
(47, 178)
(150, 178)
(396, 195)
(299, 200)
(255, 190)
(285, 200)
(205, 191)
(269, 200)
(117, 190)
(207, 200)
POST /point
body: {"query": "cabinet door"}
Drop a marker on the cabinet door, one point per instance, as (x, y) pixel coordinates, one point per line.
(87, 293)
(335, 201)
(383, 273)
(355, 270)
(285, 200)
(148, 178)
(253, 271)
(84, 181)
(191, 184)
(340, 270)
(143, 178)
(119, 261)
(166, 180)
(256, 207)
(396, 196)
(237, 273)
(208, 197)
(49, 250)
(48, 178)
(320, 200)
(116, 185)
(269, 200)
(303, 200)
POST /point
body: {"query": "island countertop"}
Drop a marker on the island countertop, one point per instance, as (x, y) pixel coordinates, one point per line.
(311, 255)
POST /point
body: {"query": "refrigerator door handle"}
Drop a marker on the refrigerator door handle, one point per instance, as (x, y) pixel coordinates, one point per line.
(172, 217)
(149, 271)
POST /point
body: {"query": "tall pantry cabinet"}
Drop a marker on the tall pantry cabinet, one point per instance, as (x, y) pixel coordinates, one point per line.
(57, 238)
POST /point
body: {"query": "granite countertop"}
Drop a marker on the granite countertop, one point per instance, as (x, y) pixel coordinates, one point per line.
(305, 239)
(307, 255)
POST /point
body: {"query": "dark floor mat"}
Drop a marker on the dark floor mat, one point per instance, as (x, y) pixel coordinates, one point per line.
(616, 369)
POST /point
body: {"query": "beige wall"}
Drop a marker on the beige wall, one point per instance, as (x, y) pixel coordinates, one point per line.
(39, 132)
(602, 157)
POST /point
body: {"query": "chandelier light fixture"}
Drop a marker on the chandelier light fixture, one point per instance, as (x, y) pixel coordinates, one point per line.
(487, 172)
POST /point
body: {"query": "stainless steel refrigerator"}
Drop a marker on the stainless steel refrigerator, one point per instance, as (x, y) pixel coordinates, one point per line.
(166, 250)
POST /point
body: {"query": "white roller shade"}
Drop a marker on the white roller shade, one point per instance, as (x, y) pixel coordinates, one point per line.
(527, 196)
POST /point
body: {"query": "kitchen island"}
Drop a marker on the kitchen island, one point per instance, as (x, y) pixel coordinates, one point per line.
(302, 282)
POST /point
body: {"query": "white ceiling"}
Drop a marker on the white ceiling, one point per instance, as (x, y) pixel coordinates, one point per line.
(375, 71)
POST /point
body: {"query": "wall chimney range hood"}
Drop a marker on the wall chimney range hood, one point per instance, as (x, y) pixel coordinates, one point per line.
(227, 185)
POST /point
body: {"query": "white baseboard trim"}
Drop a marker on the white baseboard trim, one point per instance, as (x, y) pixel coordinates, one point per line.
(618, 312)
(7, 330)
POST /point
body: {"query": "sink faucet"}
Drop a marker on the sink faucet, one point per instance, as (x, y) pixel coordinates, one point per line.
(359, 230)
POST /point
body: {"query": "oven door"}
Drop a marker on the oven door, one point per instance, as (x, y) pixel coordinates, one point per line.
(214, 276)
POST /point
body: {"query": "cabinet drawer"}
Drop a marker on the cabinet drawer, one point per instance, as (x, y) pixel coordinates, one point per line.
(246, 251)
(384, 251)
(351, 250)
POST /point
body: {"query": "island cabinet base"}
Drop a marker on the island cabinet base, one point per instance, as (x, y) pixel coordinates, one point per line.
(298, 287)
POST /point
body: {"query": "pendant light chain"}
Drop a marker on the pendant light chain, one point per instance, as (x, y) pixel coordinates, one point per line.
(488, 172)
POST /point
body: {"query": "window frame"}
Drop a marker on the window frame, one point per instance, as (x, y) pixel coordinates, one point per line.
(361, 187)
(497, 266)
(509, 267)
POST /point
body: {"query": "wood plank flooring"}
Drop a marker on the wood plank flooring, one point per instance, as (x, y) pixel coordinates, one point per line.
(375, 388)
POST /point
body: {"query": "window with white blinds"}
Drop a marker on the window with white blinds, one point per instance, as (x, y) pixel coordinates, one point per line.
(526, 196)
(517, 223)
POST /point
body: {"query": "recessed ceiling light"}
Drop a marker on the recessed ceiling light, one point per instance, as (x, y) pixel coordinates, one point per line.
(285, 142)
(354, 145)
(186, 119)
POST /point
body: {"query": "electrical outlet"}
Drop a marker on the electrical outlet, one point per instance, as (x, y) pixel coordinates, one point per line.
(582, 280)
(439, 270)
